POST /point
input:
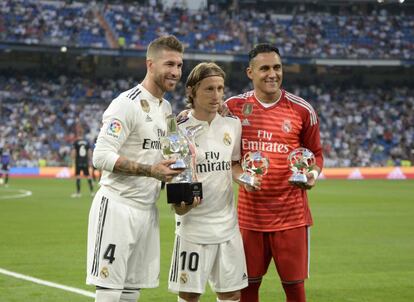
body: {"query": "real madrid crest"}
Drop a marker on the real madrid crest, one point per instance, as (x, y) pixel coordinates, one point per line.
(227, 139)
(246, 110)
(145, 106)
(287, 126)
(183, 278)
(104, 272)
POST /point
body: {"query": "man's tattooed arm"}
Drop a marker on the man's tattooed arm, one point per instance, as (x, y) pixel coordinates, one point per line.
(160, 170)
(129, 167)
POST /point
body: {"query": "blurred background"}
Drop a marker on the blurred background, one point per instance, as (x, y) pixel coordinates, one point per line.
(62, 62)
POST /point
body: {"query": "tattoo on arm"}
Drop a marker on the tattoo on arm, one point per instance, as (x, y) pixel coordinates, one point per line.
(128, 167)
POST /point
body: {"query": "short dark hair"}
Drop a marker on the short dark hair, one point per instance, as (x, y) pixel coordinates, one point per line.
(262, 48)
(164, 43)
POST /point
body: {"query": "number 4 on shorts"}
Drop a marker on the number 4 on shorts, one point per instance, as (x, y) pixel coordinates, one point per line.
(110, 253)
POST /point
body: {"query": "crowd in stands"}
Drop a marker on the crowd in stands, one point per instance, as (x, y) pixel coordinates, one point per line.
(38, 116)
(300, 32)
(364, 127)
(51, 23)
(359, 127)
(325, 35)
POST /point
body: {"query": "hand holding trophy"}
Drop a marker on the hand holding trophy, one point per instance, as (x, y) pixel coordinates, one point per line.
(179, 145)
(300, 161)
(253, 163)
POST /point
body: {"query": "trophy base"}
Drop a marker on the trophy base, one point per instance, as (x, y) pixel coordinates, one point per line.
(298, 179)
(183, 191)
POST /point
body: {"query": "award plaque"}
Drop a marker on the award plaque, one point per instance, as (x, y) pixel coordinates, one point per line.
(300, 161)
(179, 145)
(253, 163)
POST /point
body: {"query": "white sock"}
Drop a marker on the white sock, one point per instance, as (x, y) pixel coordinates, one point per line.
(130, 296)
(107, 295)
(218, 300)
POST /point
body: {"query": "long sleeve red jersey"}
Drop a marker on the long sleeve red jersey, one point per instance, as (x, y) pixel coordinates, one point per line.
(288, 124)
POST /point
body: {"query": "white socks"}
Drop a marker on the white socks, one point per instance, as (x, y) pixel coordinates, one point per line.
(116, 295)
(130, 296)
(107, 295)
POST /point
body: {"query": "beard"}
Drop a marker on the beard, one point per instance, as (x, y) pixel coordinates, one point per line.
(160, 81)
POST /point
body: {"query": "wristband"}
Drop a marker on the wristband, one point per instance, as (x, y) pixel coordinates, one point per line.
(314, 173)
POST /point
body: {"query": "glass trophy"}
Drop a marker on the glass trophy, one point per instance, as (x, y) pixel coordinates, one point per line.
(179, 145)
(174, 145)
(253, 163)
(300, 161)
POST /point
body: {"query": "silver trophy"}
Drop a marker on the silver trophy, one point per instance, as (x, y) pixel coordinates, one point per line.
(253, 163)
(174, 145)
(300, 161)
(180, 145)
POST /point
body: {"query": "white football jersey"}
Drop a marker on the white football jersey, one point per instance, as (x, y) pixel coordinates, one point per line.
(217, 145)
(132, 126)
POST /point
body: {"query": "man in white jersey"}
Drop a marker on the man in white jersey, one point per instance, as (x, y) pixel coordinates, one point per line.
(208, 245)
(123, 231)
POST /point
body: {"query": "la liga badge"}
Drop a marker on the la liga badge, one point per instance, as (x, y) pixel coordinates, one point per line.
(114, 128)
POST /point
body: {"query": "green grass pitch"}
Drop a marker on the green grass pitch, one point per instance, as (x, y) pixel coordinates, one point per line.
(362, 243)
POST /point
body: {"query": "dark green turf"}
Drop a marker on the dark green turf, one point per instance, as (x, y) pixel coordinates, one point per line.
(362, 243)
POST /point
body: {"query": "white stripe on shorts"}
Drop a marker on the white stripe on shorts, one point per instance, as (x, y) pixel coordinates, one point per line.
(102, 216)
(176, 261)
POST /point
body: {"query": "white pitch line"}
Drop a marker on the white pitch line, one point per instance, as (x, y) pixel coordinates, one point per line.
(18, 194)
(48, 283)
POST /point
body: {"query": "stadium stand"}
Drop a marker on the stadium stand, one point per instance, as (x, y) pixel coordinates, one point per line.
(50, 22)
(306, 31)
(369, 124)
(359, 127)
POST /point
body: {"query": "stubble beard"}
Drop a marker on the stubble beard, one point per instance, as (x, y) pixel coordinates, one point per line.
(160, 82)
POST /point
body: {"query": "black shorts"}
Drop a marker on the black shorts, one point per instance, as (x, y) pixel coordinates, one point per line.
(4, 168)
(84, 169)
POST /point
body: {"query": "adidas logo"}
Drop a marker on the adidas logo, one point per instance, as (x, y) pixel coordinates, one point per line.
(245, 122)
(148, 119)
(244, 276)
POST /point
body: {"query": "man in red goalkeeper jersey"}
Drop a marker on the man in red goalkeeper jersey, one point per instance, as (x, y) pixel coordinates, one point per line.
(274, 219)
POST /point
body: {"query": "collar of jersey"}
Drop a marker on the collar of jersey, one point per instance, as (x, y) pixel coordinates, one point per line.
(197, 121)
(148, 96)
(272, 105)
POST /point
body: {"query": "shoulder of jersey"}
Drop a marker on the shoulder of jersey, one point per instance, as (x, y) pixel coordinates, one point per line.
(241, 97)
(232, 117)
(183, 120)
(304, 105)
(132, 94)
(129, 95)
(128, 99)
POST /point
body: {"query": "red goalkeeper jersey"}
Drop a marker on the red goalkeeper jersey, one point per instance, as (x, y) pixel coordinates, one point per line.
(288, 124)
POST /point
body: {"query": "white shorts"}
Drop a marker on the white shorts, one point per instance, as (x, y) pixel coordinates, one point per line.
(223, 265)
(123, 244)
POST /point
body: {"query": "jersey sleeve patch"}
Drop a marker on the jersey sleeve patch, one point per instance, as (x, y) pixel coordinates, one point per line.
(114, 128)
